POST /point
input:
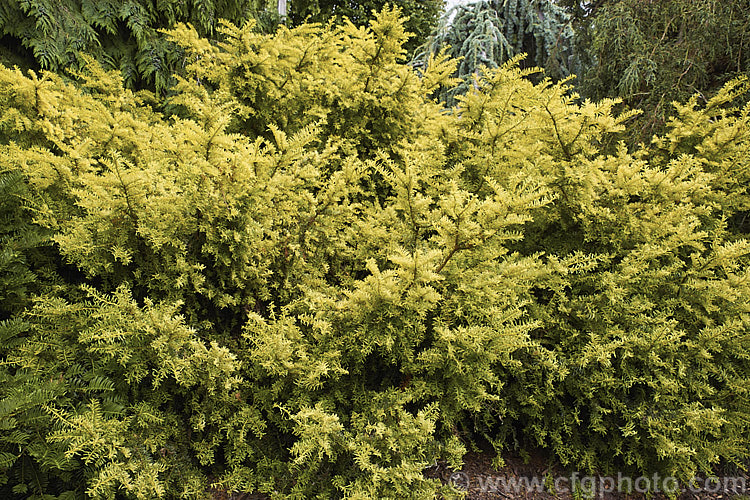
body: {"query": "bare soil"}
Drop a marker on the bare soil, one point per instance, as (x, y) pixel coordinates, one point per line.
(535, 477)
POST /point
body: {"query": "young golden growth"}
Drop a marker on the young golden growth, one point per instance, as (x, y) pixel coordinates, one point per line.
(310, 280)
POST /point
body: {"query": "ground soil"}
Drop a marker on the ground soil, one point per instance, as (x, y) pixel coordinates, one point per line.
(535, 477)
(524, 478)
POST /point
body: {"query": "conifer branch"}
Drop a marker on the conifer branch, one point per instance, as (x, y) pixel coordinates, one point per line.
(125, 190)
(563, 146)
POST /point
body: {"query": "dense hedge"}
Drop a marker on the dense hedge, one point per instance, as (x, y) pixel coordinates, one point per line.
(313, 281)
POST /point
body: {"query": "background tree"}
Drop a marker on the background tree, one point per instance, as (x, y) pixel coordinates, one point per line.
(490, 32)
(651, 53)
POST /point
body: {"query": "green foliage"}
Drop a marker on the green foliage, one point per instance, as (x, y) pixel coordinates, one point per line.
(122, 35)
(115, 391)
(19, 241)
(486, 34)
(311, 281)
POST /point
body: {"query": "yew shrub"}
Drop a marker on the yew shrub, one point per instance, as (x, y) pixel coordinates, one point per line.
(311, 280)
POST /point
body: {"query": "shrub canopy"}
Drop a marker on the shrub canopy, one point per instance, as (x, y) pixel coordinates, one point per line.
(312, 281)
